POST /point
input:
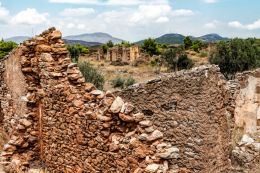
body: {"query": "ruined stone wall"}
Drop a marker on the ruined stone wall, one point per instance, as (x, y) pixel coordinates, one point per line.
(57, 121)
(247, 111)
(190, 109)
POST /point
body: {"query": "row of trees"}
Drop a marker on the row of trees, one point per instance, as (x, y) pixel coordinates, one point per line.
(6, 47)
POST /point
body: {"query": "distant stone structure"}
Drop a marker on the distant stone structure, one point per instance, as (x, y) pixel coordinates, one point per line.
(119, 53)
(180, 123)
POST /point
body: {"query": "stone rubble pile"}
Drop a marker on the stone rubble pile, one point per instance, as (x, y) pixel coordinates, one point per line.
(246, 151)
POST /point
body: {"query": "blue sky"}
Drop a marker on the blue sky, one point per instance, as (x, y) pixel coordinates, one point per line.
(131, 19)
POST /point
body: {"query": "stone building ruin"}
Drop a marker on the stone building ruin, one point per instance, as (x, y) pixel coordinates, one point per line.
(56, 121)
(119, 53)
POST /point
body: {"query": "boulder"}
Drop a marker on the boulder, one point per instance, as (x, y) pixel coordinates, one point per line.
(117, 105)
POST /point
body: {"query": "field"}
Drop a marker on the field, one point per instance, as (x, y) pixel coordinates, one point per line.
(141, 73)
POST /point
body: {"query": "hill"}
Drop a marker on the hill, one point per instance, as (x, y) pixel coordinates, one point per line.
(94, 37)
(84, 43)
(178, 38)
(17, 39)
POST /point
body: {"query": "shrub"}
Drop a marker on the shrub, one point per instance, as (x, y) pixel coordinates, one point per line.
(170, 58)
(151, 47)
(6, 47)
(76, 50)
(118, 82)
(130, 81)
(92, 75)
(234, 56)
(187, 42)
(203, 54)
(177, 59)
(118, 63)
(184, 62)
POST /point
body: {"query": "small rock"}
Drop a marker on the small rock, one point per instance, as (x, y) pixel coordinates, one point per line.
(138, 117)
(155, 135)
(146, 123)
(9, 148)
(126, 118)
(117, 105)
(56, 35)
(170, 153)
(78, 103)
(152, 167)
(246, 140)
(25, 122)
(46, 57)
(143, 137)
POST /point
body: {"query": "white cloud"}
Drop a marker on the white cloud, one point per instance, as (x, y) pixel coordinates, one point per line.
(111, 2)
(4, 14)
(75, 1)
(210, 1)
(150, 12)
(75, 12)
(30, 16)
(125, 3)
(162, 20)
(183, 12)
(253, 26)
(212, 25)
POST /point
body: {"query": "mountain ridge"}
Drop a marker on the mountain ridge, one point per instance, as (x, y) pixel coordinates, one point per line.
(175, 38)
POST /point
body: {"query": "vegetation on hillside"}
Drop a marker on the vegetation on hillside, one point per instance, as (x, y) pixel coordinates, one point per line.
(6, 47)
(236, 55)
(92, 75)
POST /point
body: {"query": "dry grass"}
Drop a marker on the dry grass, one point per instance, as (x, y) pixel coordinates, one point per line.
(141, 73)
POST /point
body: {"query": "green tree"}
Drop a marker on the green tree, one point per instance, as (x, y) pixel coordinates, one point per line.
(170, 57)
(176, 59)
(234, 56)
(187, 42)
(110, 44)
(151, 47)
(6, 47)
(184, 62)
(76, 50)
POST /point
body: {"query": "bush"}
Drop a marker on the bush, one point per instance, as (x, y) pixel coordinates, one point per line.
(92, 75)
(122, 83)
(118, 63)
(187, 42)
(151, 47)
(130, 81)
(76, 50)
(234, 56)
(184, 62)
(6, 47)
(176, 59)
(170, 57)
(203, 54)
(118, 82)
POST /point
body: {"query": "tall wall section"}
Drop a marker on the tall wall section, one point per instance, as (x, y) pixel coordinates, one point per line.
(190, 108)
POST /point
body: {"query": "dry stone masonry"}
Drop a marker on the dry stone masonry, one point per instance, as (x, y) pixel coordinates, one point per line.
(57, 122)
